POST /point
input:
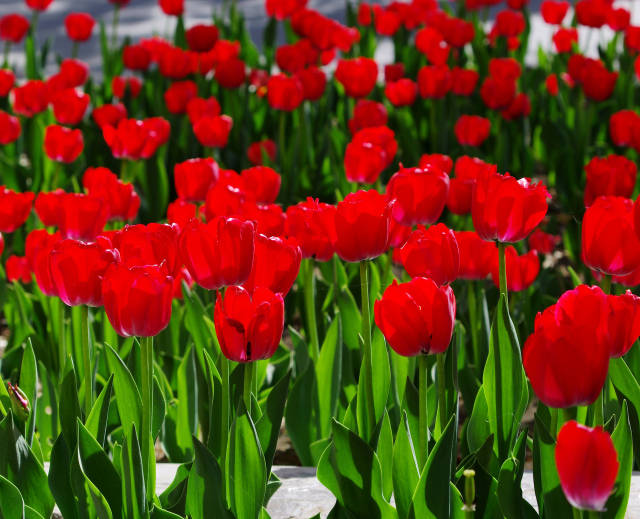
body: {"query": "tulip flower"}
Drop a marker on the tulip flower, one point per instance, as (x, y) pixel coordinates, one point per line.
(312, 224)
(202, 37)
(13, 28)
(543, 242)
(62, 144)
(314, 82)
(213, 132)
(181, 212)
(136, 57)
(172, 7)
(263, 182)
(587, 464)
(623, 322)
(553, 12)
(178, 95)
(110, 114)
(38, 247)
(461, 185)
(622, 127)
(31, 98)
(133, 139)
(276, 263)
(522, 271)
(79, 26)
(14, 208)
(614, 175)
(10, 128)
(357, 76)
(120, 198)
(434, 82)
(284, 93)
(402, 92)
(463, 81)
(476, 255)
(472, 130)
(69, 106)
(257, 149)
(123, 86)
(432, 252)
(367, 114)
(17, 269)
(194, 177)
(151, 244)
(198, 107)
(80, 217)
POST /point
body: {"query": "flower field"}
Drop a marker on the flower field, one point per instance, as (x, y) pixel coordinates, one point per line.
(419, 276)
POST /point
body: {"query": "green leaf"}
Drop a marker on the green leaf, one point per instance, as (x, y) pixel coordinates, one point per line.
(29, 384)
(206, 486)
(625, 382)
(60, 479)
(98, 417)
(30, 513)
(246, 473)
(159, 513)
(128, 397)
(174, 496)
(268, 425)
(406, 473)
(100, 505)
(299, 414)
(134, 494)
(11, 504)
(351, 471)
(384, 450)
(187, 402)
(503, 381)
(512, 504)
(616, 506)
(98, 468)
(350, 318)
(69, 408)
(328, 376)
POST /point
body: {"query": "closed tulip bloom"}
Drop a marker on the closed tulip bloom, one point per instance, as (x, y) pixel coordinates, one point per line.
(623, 322)
(10, 128)
(463, 81)
(136, 57)
(439, 160)
(461, 185)
(472, 130)
(609, 243)
(430, 42)
(202, 37)
(63, 144)
(587, 464)
(418, 194)
(263, 182)
(367, 114)
(416, 317)
(172, 7)
(498, 92)
(257, 150)
(567, 356)
(432, 252)
(402, 92)
(17, 269)
(564, 39)
(199, 107)
(122, 86)
(225, 200)
(48, 207)
(110, 114)
(598, 83)
(137, 300)
(38, 247)
(194, 177)
(551, 84)
(150, 244)
(476, 255)
(231, 73)
(284, 93)
(69, 106)
(31, 98)
(79, 26)
(554, 12)
(506, 209)
(592, 13)
(178, 95)
(522, 271)
(13, 27)
(218, 253)
(543, 242)
(14, 208)
(77, 269)
(613, 175)
(133, 139)
(7, 80)
(393, 72)
(81, 217)
(181, 212)
(434, 82)
(357, 76)
(73, 72)
(314, 82)
(213, 132)
(38, 5)
(364, 161)
(362, 225)
(381, 136)
(269, 219)
(249, 326)
(276, 262)
(120, 198)
(312, 224)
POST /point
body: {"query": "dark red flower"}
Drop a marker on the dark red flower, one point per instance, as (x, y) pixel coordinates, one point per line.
(295, 57)
(472, 130)
(313, 225)
(136, 57)
(179, 94)
(231, 73)
(362, 225)
(632, 38)
(109, 114)
(565, 38)
(175, 63)
(364, 161)
(10, 128)
(17, 269)
(498, 93)
(357, 76)
(476, 255)
(122, 86)
(623, 322)
(613, 175)
(73, 72)
(225, 200)
(439, 160)
(387, 22)
(269, 219)
(463, 81)
(257, 150)
(14, 208)
(172, 8)
(587, 465)
(509, 24)
(432, 252)
(137, 300)
(48, 207)
(506, 209)
(367, 114)
(38, 247)
(416, 317)
(7, 80)
(520, 107)
(202, 37)
(69, 106)
(597, 82)
(38, 5)
(77, 269)
(434, 81)
(551, 84)
(365, 14)
(623, 127)
(554, 12)
(121, 199)
(543, 242)
(79, 26)
(522, 271)
(283, 9)
(430, 42)
(393, 72)
(213, 132)
(13, 28)
(618, 19)
(592, 13)
(31, 98)
(198, 107)
(461, 185)
(504, 68)
(402, 92)
(314, 82)
(151, 244)
(249, 326)
(284, 93)
(63, 144)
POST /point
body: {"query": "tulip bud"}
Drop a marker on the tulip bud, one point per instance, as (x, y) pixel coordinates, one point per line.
(19, 402)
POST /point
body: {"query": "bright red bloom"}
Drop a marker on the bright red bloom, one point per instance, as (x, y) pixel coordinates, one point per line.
(632, 38)
(439, 160)
(587, 464)
(380, 136)
(364, 161)
(80, 217)
(257, 149)
(31, 98)
(79, 26)
(181, 212)
(63, 144)
(172, 8)
(387, 22)
(463, 81)
(134, 139)
(7, 80)
(504, 68)
(567, 356)
(48, 207)
(263, 182)
(175, 63)
(194, 177)
(17, 269)
(497, 93)
(295, 57)
(249, 326)
(432, 252)
(218, 253)
(597, 82)
(38, 247)
(554, 12)
(416, 317)
(613, 175)
(202, 38)
(231, 73)
(519, 107)
(225, 200)
(77, 269)
(38, 5)
(179, 94)
(109, 114)
(623, 127)
(213, 132)
(461, 185)
(543, 242)
(198, 107)
(393, 72)
(609, 243)
(430, 42)
(283, 9)
(509, 24)
(402, 92)
(122, 86)
(313, 225)
(10, 128)
(276, 262)
(624, 322)
(592, 13)
(476, 255)
(565, 38)
(434, 82)
(365, 14)
(13, 27)
(73, 72)
(551, 84)
(69, 106)
(418, 194)
(136, 57)
(14, 208)
(618, 19)
(151, 244)
(314, 82)
(137, 300)
(269, 219)
(522, 271)
(362, 226)
(472, 130)
(121, 199)
(357, 76)
(367, 114)
(506, 209)
(284, 93)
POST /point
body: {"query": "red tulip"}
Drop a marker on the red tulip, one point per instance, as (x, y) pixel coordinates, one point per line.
(387, 22)
(38, 5)
(194, 177)
(418, 194)
(263, 182)
(14, 208)
(508, 24)
(314, 82)
(80, 217)
(178, 95)
(133, 139)
(38, 247)
(181, 212)
(439, 160)
(295, 57)
(463, 81)
(77, 269)
(136, 57)
(520, 107)
(10, 128)
(137, 300)
(430, 42)
(472, 130)
(213, 132)
(73, 72)
(63, 144)
(432, 252)
(13, 28)
(623, 127)
(364, 161)
(225, 200)
(609, 243)
(110, 114)
(202, 38)
(416, 317)
(269, 219)
(367, 114)
(434, 82)
(592, 13)
(476, 255)
(172, 8)
(257, 149)
(597, 82)
(121, 199)
(365, 14)
(284, 93)
(402, 92)
(276, 262)
(567, 356)
(17, 269)
(7, 80)
(623, 322)
(231, 73)
(31, 98)
(174, 62)
(554, 12)
(362, 226)
(357, 76)
(565, 38)
(613, 175)
(249, 326)
(283, 9)
(198, 107)
(461, 185)
(498, 92)
(312, 224)
(151, 244)
(79, 26)
(48, 207)
(587, 464)
(122, 86)
(551, 84)
(506, 209)
(618, 19)
(543, 242)
(218, 253)
(522, 271)
(69, 106)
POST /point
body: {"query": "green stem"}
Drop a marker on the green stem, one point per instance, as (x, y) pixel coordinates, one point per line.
(442, 391)
(503, 270)
(605, 284)
(224, 421)
(553, 428)
(592, 514)
(249, 368)
(114, 27)
(598, 413)
(577, 514)
(423, 415)
(367, 353)
(310, 307)
(62, 339)
(473, 323)
(147, 443)
(86, 361)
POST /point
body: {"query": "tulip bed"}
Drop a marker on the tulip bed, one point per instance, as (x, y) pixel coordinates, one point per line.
(209, 248)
